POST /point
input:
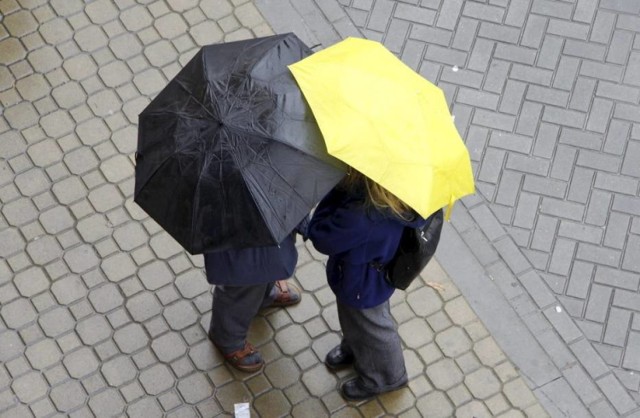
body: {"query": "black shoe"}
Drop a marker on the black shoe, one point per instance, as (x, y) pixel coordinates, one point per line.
(338, 358)
(352, 391)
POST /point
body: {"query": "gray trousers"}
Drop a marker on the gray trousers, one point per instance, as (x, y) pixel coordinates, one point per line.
(232, 310)
(372, 336)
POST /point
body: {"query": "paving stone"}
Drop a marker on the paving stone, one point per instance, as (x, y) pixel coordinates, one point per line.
(170, 25)
(468, 362)
(437, 403)
(119, 371)
(319, 381)
(195, 388)
(81, 363)
(482, 383)
(488, 352)
(105, 298)
(81, 258)
(143, 306)
(424, 301)
(11, 345)
(459, 311)
(156, 379)
(453, 342)
(311, 276)
(69, 190)
(307, 309)
(56, 220)
(21, 115)
(473, 409)
(273, 402)
(292, 339)
(230, 394)
(164, 246)
(43, 354)
(68, 396)
(282, 373)
(93, 330)
(191, 284)
(518, 393)
(68, 289)
(107, 403)
(415, 333)
(180, 315)
(10, 241)
(444, 374)
(17, 313)
(32, 182)
(145, 407)
(6, 174)
(632, 352)
(29, 387)
(81, 160)
(117, 168)
(130, 338)
(31, 281)
(204, 356)
(93, 228)
(33, 87)
(132, 235)
(160, 53)
(168, 347)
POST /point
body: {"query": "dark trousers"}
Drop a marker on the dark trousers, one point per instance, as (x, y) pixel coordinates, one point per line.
(372, 336)
(232, 310)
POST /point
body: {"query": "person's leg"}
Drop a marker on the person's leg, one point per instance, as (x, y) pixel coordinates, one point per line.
(232, 310)
(372, 336)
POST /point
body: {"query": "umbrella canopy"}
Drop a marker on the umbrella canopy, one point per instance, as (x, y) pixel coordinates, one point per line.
(229, 154)
(388, 122)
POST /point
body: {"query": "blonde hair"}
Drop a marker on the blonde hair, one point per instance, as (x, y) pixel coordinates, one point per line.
(376, 196)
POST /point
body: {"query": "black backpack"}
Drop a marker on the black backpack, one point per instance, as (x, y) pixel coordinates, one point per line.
(416, 248)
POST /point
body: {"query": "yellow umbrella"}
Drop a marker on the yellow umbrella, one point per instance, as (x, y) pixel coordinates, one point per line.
(382, 118)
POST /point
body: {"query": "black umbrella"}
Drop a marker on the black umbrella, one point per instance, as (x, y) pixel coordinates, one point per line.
(229, 154)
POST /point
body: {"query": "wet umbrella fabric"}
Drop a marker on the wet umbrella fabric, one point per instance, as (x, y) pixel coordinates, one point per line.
(229, 154)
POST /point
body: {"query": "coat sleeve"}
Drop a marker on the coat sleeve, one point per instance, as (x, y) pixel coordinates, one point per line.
(338, 225)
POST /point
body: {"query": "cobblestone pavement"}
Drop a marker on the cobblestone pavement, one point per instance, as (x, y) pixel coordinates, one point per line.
(547, 95)
(102, 314)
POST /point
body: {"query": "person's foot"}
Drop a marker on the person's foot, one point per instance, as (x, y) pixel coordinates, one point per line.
(351, 390)
(248, 359)
(286, 294)
(338, 358)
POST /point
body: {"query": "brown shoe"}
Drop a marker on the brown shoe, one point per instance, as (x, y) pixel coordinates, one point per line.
(286, 294)
(246, 360)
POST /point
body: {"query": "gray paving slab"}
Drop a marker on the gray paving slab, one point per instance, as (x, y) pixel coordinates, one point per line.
(567, 100)
(103, 314)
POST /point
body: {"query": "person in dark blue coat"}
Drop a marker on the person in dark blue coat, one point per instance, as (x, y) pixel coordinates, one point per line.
(359, 225)
(248, 280)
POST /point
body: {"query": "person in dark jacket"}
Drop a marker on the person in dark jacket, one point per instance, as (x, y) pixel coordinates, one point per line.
(359, 224)
(248, 280)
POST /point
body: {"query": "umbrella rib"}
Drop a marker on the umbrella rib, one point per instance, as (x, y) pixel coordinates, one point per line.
(270, 205)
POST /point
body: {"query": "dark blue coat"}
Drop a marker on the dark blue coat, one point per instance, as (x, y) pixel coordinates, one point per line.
(252, 265)
(354, 236)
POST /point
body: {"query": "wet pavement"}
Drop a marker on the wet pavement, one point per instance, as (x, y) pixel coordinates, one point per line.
(103, 314)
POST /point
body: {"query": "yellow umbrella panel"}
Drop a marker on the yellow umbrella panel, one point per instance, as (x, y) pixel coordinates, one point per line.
(382, 118)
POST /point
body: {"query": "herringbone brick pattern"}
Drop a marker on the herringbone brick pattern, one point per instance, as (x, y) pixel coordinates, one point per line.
(546, 95)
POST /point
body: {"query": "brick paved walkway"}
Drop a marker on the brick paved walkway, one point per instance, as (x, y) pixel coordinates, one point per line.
(547, 94)
(102, 314)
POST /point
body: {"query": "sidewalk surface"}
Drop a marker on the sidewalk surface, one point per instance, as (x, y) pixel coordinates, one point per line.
(102, 314)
